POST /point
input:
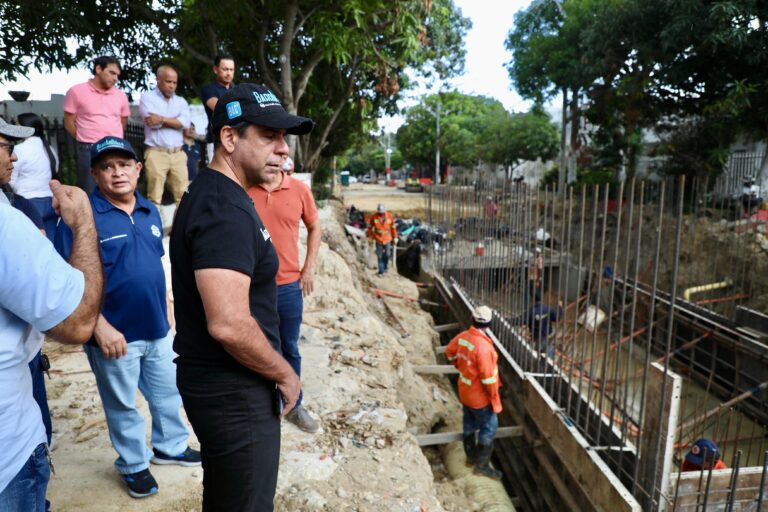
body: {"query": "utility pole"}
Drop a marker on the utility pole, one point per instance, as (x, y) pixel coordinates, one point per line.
(387, 153)
(436, 113)
(437, 147)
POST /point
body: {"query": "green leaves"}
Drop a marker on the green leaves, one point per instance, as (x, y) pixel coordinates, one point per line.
(474, 128)
(681, 68)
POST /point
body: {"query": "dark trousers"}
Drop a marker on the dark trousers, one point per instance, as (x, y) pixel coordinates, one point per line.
(39, 394)
(84, 177)
(483, 421)
(234, 415)
(290, 306)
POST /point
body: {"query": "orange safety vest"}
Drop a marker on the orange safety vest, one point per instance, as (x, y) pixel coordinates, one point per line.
(690, 466)
(382, 228)
(473, 354)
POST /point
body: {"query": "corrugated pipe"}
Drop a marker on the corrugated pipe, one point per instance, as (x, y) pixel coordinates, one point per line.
(705, 288)
(489, 494)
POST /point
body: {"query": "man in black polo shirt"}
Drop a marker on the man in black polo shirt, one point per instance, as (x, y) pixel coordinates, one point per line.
(233, 381)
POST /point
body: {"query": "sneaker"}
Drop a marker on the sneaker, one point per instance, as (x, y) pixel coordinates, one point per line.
(188, 457)
(301, 418)
(141, 484)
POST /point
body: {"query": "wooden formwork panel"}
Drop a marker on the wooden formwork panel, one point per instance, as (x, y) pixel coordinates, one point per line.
(689, 494)
(659, 428)
(600, 485)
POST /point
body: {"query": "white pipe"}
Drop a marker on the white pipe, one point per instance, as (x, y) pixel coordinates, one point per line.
(705, 288)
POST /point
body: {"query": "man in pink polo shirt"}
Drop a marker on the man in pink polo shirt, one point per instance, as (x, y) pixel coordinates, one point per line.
(94, 110)
(281, 204)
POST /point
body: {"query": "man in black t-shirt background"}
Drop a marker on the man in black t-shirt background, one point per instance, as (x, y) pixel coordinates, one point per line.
(233, 381)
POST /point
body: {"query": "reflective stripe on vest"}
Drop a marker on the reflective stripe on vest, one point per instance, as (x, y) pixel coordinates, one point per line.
(463, 379)
(490, 380)
(465, 343)
(452, 358)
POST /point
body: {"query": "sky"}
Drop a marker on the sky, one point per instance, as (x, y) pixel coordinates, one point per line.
(484, 69)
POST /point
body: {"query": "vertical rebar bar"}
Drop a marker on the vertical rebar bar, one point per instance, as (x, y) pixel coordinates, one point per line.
(647, 362)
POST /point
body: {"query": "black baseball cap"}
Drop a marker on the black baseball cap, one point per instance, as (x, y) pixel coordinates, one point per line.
(111, 144)
(258, 105)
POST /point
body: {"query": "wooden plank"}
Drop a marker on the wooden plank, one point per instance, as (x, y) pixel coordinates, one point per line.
(436, 369)
(690, 493)
(604, 490)
(451, 437)
(455, 326)
(659, 432)
(440, 350)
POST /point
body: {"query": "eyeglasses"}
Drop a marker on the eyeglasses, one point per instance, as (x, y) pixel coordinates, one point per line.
(8, 145)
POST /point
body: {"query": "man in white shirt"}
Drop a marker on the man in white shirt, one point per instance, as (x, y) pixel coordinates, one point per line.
(45, 292)
(166, 116)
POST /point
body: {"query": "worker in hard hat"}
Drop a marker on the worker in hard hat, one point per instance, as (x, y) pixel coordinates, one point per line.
(382, 231)
(473, 354)
(703, 455)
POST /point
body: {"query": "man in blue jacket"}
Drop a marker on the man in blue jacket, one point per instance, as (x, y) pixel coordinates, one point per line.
(132, 345)
(540, 319)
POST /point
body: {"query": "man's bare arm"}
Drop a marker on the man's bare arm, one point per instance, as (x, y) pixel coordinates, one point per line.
(228, 313)
(314, 235)
(124, 122)
(172, 122)
(70, 125)
(75, 209)
(211, 103)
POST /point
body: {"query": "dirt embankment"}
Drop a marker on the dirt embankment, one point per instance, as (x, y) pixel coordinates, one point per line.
(358, 380)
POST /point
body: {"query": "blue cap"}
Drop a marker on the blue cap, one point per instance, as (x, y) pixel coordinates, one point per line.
(109, 144)
(696, 455)
(608, 272)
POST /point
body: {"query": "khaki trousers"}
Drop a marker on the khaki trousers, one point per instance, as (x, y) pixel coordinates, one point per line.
(161, 166)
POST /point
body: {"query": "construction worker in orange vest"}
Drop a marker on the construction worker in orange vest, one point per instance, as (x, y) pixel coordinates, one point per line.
(382, 230)
(473, 354)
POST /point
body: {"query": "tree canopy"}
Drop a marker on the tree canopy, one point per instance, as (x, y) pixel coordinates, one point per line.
(340, 62)
(474, 128)
(693, 71)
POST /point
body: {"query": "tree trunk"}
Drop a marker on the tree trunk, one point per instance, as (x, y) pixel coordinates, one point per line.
(563, 151)
(575, 144)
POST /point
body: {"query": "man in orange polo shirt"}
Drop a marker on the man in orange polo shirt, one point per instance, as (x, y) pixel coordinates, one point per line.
(281, 204)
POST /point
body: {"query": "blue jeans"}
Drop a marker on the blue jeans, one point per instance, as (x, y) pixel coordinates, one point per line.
(148, 367)
(483, 420)
(27, 489)
(44, 206)
(290, 307)
(383, 252)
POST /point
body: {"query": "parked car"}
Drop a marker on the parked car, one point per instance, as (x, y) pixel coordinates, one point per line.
(352, 179)
(367, 178)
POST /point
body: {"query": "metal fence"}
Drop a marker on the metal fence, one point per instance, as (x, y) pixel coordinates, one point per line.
(739, 167)
(620, 269)
(66, 146)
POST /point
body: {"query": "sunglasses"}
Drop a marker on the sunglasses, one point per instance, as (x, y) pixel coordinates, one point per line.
(9, 145)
